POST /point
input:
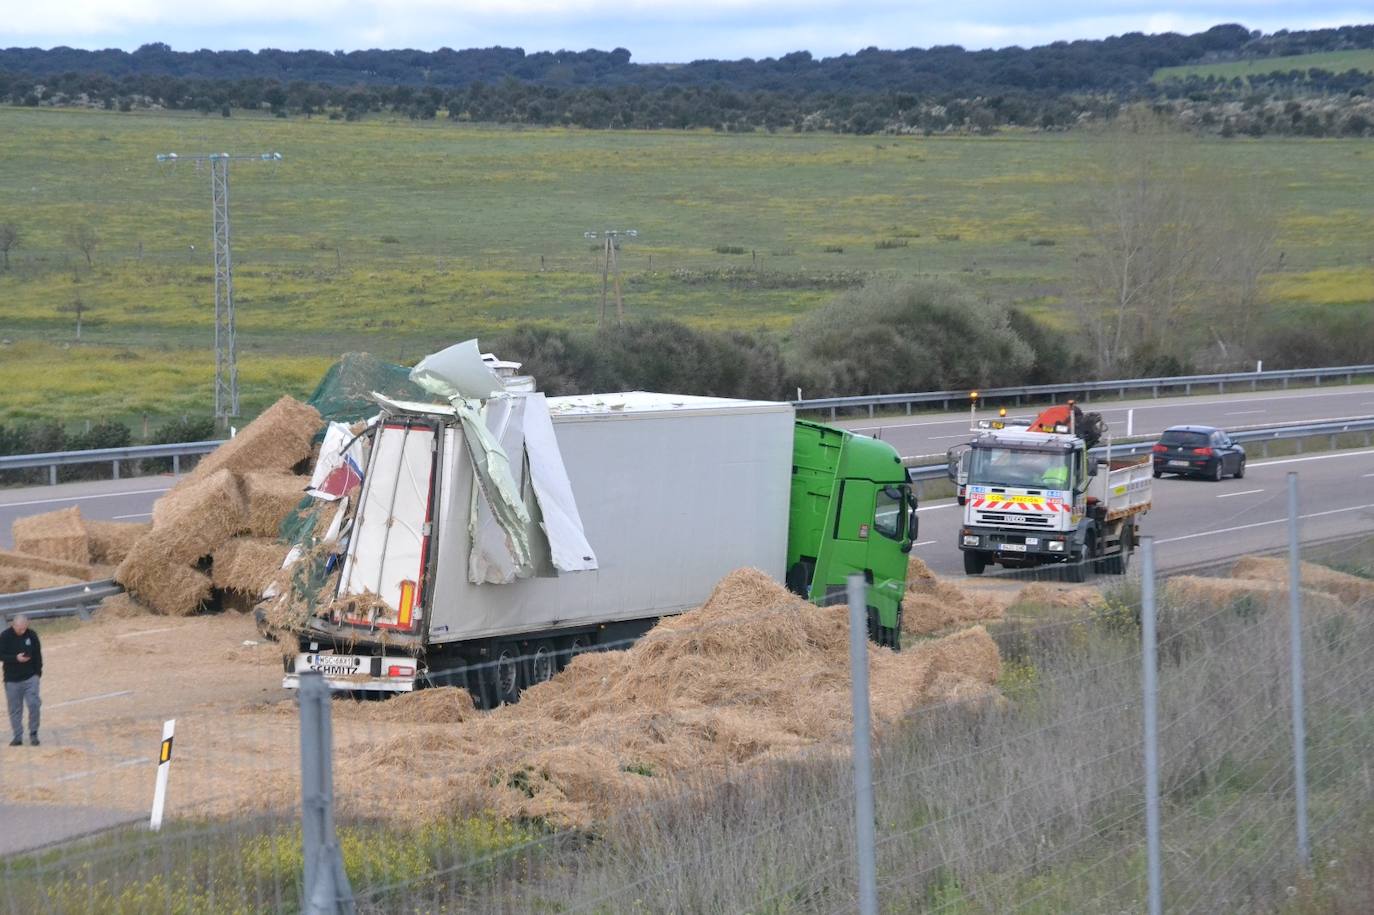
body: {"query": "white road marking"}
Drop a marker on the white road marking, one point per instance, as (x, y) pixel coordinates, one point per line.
(1246, 527)
(931, 508)
(129, 635)
(1247, 492)
(1311, 457)
(122, 692)
(936, 438)
(119, 765)
(98, 495)
(1244, 412)
(1367, 474)
(924, 542)
(139, 515)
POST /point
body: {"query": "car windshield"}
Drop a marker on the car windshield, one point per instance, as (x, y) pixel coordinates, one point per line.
(1030, 469)
(1185, 439)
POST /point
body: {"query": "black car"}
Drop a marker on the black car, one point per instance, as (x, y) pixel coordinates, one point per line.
(1198, 451)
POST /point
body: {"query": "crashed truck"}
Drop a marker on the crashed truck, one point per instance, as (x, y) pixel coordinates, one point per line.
(483, 541)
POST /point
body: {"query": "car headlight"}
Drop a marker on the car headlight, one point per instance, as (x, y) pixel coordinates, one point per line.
(1056, 546)
(970, 540)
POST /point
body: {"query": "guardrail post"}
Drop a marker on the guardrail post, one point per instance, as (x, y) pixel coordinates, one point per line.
(1221, 387)
(870, 411)
(114, 465)
(176, 465)
(1349, 377)
(1154, 391)
(1285, 382)
(908, 408)
(52, 474)
(1316, 381)
(1187, 387)
(832, 414)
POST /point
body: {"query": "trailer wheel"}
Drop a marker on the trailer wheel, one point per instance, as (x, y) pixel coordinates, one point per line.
(974, 562)
(505, 675)
(573, 647)
(543, 663)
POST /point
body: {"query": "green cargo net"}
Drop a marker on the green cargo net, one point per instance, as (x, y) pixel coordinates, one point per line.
(344, 393)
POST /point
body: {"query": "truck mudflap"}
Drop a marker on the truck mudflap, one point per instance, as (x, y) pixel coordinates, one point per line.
(346, 672)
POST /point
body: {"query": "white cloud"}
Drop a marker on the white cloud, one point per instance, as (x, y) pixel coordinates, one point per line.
(658, 30)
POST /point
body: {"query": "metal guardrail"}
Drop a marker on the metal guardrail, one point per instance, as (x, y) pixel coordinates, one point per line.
(1261, 435)
(1080, 388)
(114, 456)
(68, 600)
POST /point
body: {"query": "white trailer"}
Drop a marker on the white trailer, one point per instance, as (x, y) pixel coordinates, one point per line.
(672, 493)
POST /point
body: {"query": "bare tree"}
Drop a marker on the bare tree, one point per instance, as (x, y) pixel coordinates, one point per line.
(83, 237)
(1174, 253)
(10, 237)
(78, 307)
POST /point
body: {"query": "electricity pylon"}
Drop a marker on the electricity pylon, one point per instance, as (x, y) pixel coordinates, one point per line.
(226, 346)
(611, 262)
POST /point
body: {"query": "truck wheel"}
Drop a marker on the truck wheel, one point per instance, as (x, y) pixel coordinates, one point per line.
(572, 648)
(505, 675)
(974, 562)
(1076, 569)
(542, 663)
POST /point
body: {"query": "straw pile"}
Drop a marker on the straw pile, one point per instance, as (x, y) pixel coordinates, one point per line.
(12, 581)
(272, 497)
(277, 440)
(247, 564)
(1042, 596)
(111, 541)
(754, 675)
(931, 605)
(1212, 593)
(53, 535)
(38, 580)
(1351, 589)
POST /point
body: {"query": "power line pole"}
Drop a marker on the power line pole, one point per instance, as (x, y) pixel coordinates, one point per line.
(610, 267)
(226, 344)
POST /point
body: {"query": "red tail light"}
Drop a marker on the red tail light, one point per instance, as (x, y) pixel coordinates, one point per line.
(1206, 452)
(396, 670)
(1159, 447)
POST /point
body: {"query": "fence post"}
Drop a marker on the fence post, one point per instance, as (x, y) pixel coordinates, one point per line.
(1295, 663)
(326, 890)
(1149, 670)
(863, 753)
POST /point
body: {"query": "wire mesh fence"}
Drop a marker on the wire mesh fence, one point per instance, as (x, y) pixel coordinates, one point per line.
(707, 767)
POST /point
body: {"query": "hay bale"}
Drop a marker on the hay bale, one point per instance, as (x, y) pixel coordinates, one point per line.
(190, 522)
(1351, 589)
(54, 535)
(272, 498)
(441, 705)
(932, 606)
(12, 581)
(277, 440)
(247, 564)
(919, 578)
(111, 541)
(165, 588)
(26, 562)
(1042, 596)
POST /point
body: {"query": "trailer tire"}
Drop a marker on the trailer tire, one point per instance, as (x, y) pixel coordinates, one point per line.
(974, 562)
(504, 675)
(542, 663)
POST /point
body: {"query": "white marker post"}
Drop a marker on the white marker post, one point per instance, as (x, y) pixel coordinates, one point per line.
(1130, 422)
(164, 762)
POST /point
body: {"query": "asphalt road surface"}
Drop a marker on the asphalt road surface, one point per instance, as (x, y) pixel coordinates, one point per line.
(1196, 521)
(935, 434)
(100, 500)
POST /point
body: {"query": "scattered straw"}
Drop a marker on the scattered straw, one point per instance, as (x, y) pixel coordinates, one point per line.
(12, 581)
(1351, 589)
(121, 606)
(56, 535)
(1042, 596)
(39, 580)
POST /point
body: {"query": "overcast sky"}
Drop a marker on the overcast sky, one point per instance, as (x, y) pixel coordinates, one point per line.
(653, 30)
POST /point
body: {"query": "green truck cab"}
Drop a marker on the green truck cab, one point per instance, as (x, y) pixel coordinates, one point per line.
(852, 510)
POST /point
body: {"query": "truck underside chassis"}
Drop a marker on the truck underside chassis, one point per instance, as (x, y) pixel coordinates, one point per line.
(1106, 545)
(494, 671)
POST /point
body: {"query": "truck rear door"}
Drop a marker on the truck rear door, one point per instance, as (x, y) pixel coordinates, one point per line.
(388, 551)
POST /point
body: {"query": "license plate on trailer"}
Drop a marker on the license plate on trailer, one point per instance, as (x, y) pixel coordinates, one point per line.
(1178, 463)
(1012, 547)
(331, 665)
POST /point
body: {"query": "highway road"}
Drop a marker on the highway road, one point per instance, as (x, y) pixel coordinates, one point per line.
(935, 433)
(1195, 521)
(100, 500)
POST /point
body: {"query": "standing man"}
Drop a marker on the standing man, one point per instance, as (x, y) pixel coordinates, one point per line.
(22, 659)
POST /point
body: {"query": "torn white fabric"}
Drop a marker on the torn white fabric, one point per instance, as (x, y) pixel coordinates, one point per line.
(562, 523)
(340, 466)
(457, 372)
(495, 480)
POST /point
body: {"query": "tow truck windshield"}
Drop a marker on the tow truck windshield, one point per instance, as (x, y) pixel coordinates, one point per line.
(1026, 469)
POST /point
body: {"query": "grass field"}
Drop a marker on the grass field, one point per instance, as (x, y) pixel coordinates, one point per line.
(1333, 61)
(395, 237)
